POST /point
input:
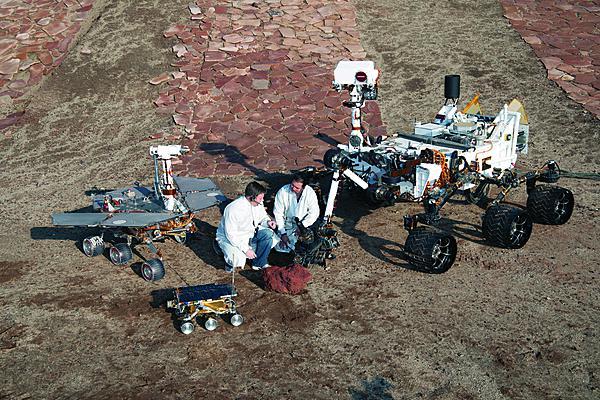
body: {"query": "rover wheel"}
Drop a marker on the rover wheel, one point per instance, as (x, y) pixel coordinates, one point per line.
(430, 251)
(153, 270)
(182, 238)
(550, 205)
(187, 327)
(210, 324)
(372, 200)
(507, 226)
(93, 246)
(328, 158)
(120, 254)
(478, 195)
(236, 319)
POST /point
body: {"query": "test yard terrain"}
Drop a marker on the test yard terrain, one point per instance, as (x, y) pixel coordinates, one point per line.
(499, 324)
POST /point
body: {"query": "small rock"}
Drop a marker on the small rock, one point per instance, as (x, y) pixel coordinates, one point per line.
(85, 50)
(7, 44)
(260, 84)
(292, 42)
(194, 9)
(159, 79)
(26, 64)
(55, 28)
(231, 49)
(233, 38)
(287, 32)
(22, 36)
(10, 67)
(532, 39)
(180, 50)
(44, 21)
(273, 12)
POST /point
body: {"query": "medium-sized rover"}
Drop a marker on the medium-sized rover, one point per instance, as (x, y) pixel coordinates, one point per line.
(139, 214)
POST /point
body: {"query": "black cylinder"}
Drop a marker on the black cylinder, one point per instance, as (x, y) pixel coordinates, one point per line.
(452, 86)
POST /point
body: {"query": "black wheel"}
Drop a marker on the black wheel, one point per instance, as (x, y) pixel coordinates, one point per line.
(93, 246)
(328, 158)
(507, 226)
(430, 251)
(550, 205)
(153, 270)
(120, 254)
(478, 195)
(372, 200)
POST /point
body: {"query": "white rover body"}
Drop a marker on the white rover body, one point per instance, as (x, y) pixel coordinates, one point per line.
(486, 144)
(458, 151)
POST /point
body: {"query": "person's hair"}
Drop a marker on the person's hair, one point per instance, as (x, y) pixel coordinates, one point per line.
(299, 178)
(253, 189)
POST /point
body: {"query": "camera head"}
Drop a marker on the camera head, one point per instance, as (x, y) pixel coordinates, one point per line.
(358, 77)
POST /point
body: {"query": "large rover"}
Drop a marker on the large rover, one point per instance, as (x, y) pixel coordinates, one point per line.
(458, 152)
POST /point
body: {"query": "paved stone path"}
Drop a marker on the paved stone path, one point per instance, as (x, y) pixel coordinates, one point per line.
(253, 84)
(566, 37)
(35, 36)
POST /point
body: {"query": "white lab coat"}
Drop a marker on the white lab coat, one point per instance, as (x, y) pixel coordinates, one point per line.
(239, 223)
(288, 207)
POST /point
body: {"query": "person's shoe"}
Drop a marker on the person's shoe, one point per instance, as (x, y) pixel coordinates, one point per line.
(228, 268)
(257, 268)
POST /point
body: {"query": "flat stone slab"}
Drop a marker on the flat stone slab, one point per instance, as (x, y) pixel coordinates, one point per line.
(35, 36)
(565, 38)
(255, 95)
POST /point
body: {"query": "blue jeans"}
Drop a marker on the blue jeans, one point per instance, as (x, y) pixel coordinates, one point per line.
(262, 243)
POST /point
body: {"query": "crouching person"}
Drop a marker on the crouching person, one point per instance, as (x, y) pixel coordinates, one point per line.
(294, 200)
(246, 231)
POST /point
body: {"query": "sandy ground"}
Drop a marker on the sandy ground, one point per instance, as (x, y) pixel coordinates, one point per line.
(500, 324)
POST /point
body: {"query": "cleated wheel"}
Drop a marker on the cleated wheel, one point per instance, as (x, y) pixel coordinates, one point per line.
(478, 195)
(153, 270)
(182, 238)
(210, 324)
(372, 200)
(187, 327)
(120, 254)
(93, 246)
(550, 205)
(507, 226)
(430, 251)
(236, 319)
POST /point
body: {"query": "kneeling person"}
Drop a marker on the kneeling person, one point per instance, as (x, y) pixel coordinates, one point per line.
(246, 231)
(294, 200)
